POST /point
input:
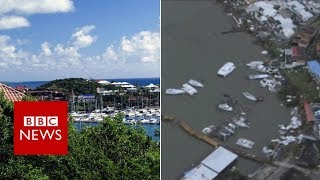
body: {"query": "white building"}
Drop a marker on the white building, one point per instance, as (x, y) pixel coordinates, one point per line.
(300, 10)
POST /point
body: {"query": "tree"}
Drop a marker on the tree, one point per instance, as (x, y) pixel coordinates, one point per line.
(108, 151)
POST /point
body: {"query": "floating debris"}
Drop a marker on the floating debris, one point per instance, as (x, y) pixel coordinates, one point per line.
(258, 76)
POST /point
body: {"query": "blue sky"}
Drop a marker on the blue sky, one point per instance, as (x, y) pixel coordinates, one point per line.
(79, 38)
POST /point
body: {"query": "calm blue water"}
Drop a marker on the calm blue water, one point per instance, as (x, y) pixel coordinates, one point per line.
(134, 81)
(148, 127)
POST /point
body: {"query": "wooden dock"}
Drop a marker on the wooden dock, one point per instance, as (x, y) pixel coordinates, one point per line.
(215, 143)
(198, 135)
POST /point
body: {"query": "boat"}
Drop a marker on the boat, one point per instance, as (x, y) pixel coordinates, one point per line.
(226, 69)
(144, 121)
(245, 143)
(259, 76)
(153, 121)
(225, 107)
(240, 122)
(249, 96)
(195, 83)
(229, 129)
(189, 89)
(174, 91)
(232, 126)
(255, 63)
(264, 68)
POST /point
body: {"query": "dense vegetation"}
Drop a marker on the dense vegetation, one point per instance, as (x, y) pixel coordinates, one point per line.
(109, 151)
(78, 85)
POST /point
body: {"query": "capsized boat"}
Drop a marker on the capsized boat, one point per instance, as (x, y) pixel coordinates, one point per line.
(245, 143)
(259, 76)
(226, 69)
(189, 89)
(225, 107)
(195, 83)
(172, 91)
(249, 96)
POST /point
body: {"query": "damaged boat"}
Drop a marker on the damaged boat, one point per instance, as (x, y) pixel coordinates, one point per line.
(172, 91)
(225, 107)
(258, 76)
(245, 143)
(189, 89)
(195, 83)
(226, 69)
(249, 96)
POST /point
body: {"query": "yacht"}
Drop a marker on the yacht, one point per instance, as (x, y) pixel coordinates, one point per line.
(189, 89)
(258, 76)
(153, 121)
(225, 107)
(226, 69)
(195, 83)
(144, 121)
(172, 91)
(249, 96)
(245, 143)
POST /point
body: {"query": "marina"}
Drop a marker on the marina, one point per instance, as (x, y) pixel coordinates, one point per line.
(186, 34)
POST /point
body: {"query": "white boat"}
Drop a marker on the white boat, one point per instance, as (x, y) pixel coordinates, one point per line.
(249, 96)
(189, 89)
(144, 121)
(255, 63)
(232, 126)
(225, 107)
(259, 76)
(195, 83)
(174, 91)
(229, 129)
(245, 143)
(263, 68)
(240, 122)
(226, 69)
(153, 121)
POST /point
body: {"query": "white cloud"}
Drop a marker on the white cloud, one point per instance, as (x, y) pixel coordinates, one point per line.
(82, 38)
(45, 49)
(12, 11)
(110, 53)
(35, 6)
(145, 45)
(67, 60)
(11, 22)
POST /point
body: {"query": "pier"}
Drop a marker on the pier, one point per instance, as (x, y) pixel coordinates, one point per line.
(215, 144)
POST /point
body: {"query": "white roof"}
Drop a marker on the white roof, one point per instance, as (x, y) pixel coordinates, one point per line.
(200, 172)
(151, 86)
(219, 159)
(104, 82)
(300, 9)
(286, 24)
(268, 9)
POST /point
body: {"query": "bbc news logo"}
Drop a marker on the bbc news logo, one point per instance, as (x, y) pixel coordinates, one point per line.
(40, 121)
(40, 128)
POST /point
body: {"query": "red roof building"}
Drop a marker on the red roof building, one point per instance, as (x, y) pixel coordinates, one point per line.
(10, 93)
(308, 111)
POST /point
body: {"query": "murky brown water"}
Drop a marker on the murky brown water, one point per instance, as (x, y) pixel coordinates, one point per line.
(192, 47)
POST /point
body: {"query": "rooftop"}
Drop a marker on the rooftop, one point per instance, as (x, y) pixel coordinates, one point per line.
(10, 93)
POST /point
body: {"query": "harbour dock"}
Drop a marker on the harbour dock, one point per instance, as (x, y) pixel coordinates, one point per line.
(215, 144)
